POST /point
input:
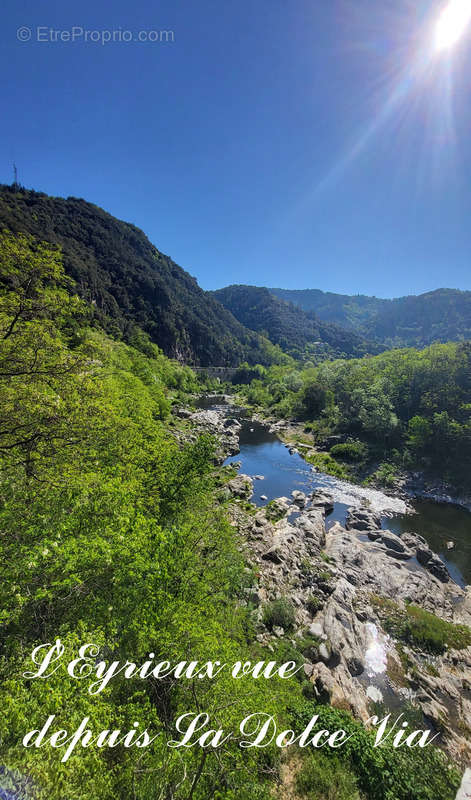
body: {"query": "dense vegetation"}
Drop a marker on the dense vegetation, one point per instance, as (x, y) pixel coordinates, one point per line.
(410, 408)
(129, 282)
(299, 333)
(415, 321)
(420, 628)
(111, 535)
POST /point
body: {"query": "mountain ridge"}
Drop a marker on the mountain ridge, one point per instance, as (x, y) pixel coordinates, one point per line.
(410, 321)
(299, 333)
(129, 282)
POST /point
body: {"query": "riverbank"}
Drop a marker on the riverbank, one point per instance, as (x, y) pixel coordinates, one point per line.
(342, 598)
(407, 485)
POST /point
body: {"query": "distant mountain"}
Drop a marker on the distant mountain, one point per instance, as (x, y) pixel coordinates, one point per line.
(414, 321)
(128, 281)
(296, 331)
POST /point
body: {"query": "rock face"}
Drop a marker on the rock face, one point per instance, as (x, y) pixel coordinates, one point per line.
(333, 580)
(225, 429)
(241, 486)
(333, 576)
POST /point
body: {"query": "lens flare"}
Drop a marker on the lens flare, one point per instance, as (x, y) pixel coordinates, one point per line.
(452, 23)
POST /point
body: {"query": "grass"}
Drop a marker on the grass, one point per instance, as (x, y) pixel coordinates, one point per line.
(314, 604)
(279, 614)
(326, 778)
(418, 627)
(325, 463)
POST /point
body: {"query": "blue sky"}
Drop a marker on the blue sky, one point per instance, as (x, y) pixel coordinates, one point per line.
(313, 143)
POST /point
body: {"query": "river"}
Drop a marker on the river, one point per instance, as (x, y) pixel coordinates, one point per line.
(262, 453)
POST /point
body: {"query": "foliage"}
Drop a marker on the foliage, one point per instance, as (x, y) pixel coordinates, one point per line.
(421, 628)
(349, 451)
(110, 535)
(439, 316)
(128, 282)
(410, 408)
(279, 613)
(298, 333)
(324, 778)
(383, 772)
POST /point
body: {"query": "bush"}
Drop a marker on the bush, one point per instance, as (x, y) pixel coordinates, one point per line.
(314, 604)
(326, 778)
(421, 628)
(349, 451)
(382, 773)
(279, 614)
(326, 463)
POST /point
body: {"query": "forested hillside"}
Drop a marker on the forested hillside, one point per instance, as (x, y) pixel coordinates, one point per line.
(115, 534)
(299, 333)
(407, 408)
(129, 282)
(414, 321)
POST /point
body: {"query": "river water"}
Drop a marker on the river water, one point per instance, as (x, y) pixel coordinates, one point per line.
(262, 453)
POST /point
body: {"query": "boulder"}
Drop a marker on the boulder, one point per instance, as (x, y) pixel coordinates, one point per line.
(362, 519)
(316, 629)
(278, 507)
(322, 500)
(241, 486)
(299, 498)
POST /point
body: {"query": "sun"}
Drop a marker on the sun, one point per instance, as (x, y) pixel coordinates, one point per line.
(452, 23)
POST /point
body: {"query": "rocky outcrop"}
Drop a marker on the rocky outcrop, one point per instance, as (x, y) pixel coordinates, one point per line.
(337, 582)
(214, 421)
(331, 578)
(362, 519)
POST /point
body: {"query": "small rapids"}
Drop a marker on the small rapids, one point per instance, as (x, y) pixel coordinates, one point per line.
(351, 495)
(262, 453)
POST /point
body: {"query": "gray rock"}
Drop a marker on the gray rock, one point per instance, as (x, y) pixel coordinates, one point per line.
(362, 519)
(299, 498)
(323, 500)
(392, 541)
(315, 629)
(274, 555)
(241, 486)
(324, 653)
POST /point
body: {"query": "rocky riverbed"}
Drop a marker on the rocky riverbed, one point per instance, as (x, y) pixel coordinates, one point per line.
(352, 589)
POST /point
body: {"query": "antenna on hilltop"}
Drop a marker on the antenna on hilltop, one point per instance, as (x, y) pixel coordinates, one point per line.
(16, 185)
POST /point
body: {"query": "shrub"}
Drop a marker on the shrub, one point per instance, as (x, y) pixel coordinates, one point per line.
(326, 778)
(279, 614)
(349, 451)
(382, 773)
(314, 604)
(421, 628)
(326, 463)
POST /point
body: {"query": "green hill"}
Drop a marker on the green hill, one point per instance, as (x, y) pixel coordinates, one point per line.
(413, 321)
(130, 282)
(297, 332)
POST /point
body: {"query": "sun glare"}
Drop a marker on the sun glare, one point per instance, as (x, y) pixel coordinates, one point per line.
(452, 23)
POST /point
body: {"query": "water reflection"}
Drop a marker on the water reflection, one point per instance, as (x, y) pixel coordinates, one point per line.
(262, 453)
